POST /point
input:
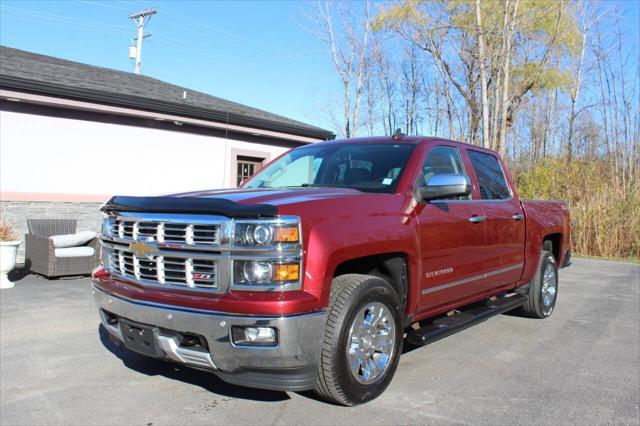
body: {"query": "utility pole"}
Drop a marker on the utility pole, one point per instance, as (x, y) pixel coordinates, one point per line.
(141, 19)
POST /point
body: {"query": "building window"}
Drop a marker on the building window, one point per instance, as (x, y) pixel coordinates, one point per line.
(247, 167)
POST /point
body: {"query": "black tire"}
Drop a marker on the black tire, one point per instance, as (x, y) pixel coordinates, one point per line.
(535, 306)
(349, 295)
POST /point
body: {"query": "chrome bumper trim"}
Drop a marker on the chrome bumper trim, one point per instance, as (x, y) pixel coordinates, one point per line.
(300, 336)
(184, 355)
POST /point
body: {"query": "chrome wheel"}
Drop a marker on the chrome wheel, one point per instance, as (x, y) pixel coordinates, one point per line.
(371, 342)
(549, 288)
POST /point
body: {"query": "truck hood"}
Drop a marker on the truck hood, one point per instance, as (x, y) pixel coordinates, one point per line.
(239, 203)
(276, 197)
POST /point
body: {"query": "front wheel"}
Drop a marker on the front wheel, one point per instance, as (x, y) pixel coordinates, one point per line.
(362, 342)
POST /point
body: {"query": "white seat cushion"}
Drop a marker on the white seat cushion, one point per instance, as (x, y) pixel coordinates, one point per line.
(75, 252)
(73, 240)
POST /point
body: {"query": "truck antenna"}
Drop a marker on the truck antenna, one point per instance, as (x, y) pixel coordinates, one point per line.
(397, 135)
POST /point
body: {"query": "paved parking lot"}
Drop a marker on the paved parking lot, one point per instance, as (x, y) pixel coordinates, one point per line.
(581, 366)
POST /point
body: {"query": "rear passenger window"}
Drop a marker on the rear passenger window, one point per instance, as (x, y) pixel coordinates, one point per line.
(493, 185)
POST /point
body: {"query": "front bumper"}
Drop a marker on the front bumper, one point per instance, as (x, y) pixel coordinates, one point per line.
(290, 366)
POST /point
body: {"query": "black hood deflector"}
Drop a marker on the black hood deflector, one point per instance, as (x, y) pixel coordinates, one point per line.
(190, 205)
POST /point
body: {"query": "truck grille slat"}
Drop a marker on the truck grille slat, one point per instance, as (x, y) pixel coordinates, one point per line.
(196, 252)
(167, 270)
(161, 231)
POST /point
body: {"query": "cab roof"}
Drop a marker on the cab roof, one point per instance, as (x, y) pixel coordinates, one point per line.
(415, 140)
(382, 139)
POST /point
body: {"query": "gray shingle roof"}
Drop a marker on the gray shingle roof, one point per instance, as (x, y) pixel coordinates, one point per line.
(40, 73)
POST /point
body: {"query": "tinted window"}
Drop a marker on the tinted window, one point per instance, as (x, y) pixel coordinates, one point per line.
(442, 160)
(365, 166)
(493, 185)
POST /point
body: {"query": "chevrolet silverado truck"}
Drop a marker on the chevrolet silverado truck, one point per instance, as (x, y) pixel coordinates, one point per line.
(316, 271)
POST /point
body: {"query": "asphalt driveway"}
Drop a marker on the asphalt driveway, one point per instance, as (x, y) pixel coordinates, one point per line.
(581, 366)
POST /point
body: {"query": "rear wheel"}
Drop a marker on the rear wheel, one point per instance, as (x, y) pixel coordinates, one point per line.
(362, 342)
(543, 291)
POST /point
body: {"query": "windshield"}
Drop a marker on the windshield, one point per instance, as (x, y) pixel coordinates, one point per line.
(366, 167)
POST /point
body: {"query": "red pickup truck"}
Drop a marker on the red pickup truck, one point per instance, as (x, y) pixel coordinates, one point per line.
(314, 273)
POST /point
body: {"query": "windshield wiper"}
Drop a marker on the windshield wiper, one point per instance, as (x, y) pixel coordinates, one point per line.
(306, 185)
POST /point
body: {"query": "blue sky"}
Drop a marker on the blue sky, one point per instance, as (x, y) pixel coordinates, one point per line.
(252, 52)
(249, 52)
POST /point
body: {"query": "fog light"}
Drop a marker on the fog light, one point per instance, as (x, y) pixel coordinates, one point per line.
(254, 336)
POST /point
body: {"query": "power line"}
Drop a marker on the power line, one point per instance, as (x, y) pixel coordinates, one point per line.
(191, 21)
(60, 18)
(204, 28)
(104, 4)
(63, 24)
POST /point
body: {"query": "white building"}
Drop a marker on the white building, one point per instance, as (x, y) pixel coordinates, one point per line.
(72, 134)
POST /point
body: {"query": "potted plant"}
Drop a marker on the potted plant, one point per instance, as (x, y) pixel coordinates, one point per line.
(8, 250)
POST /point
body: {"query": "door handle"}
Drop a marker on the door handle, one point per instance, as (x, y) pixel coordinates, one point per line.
(476, 219)
(517, 216)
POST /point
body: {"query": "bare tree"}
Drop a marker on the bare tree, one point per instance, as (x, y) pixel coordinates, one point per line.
(347, 35)
(411, 89)
(508, 30)
(483, 77)
(586, 20)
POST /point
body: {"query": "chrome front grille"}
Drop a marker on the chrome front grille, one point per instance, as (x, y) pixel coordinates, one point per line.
(165, 231)
(170, 270)
(187, 251)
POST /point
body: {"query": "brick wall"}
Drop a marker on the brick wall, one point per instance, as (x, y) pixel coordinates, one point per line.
(17, 213)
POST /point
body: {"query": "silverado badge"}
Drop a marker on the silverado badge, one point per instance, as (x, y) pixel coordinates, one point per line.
(142, 249)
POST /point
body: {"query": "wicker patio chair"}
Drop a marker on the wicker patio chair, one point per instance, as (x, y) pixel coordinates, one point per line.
(40, 252)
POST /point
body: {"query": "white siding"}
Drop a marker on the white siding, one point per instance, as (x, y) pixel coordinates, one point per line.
(57, 155)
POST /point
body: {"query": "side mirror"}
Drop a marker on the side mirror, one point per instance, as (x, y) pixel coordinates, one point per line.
(444, 185)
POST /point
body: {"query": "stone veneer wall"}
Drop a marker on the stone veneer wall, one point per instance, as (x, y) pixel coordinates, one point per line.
(17, 213)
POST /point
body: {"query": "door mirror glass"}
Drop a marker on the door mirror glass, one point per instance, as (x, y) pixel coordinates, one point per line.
(444, 185)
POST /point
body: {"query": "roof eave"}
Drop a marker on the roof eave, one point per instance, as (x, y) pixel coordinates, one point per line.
(17, 83)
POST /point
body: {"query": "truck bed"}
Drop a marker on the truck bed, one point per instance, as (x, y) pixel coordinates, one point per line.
(546, 219)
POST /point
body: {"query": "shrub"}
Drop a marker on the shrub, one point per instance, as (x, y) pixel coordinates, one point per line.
(605, 217)
(6, 231)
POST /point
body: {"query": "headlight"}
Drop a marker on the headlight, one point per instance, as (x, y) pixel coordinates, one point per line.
(258, 272)
(265, 272)
(259, 234)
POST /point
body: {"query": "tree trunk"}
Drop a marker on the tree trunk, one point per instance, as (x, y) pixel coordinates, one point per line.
(509, 24)
(483, 78)
(575, 93)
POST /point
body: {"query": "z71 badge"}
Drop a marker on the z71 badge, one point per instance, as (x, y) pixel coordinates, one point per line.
(201, 276)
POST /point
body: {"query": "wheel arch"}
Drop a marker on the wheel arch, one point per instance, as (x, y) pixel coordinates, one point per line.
(553, 243)
(392, 267)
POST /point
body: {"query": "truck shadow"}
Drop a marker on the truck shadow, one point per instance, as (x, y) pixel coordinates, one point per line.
(206, 380)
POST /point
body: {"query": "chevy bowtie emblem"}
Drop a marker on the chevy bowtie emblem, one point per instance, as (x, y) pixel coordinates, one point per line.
(142, 249)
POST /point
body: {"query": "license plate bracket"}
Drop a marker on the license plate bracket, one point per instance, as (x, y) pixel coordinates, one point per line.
(141, 338)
